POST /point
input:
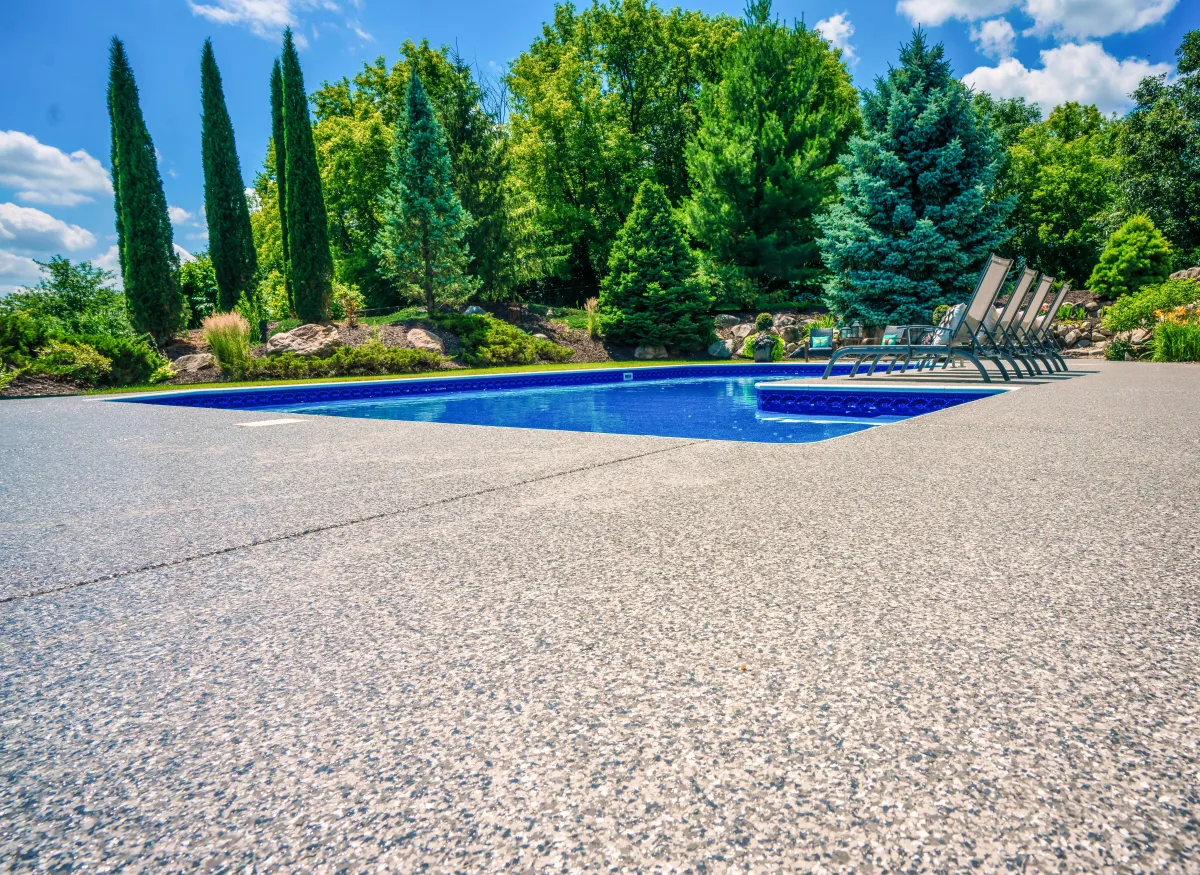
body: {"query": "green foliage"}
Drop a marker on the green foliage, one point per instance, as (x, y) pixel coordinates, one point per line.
(605, 98)
(752, 341)
(310, 268)
(76, 361)
(198, 283)
(276, 165)
(133, 360)
(487, 340)
(144, 240)
(1138, 310)
(73, 299)
(917, 217)
(939, 313)
(251, 309)
(230, 240)
(421, 242)
(764, 322)
(347, 302)
(594, 324)
(825, 320)
(1176, 342)
(1135, 256)
(1159, 146)
(763, 164)
(21, 336)
(272, 291)
(228, 336)
(1118, 348)
(1007, 118)
(651, 294)
(371, 359)
(1063, 174)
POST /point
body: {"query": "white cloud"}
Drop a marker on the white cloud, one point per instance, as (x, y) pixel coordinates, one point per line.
(266, 18)
(838, 30)
(178, 215)
(1085, 73)
(109, 260)
(184, 255)
(995, 38)
(25, 229)
(42, 174)
(16, 271)
(1069, 19)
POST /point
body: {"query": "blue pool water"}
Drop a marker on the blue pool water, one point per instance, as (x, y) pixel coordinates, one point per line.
(712, 408)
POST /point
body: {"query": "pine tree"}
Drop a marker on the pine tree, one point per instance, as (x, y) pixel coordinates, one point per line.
(764, 162)
(916, 219)
(1136, 255)
(147, 255)
(310, 267)
(421, 241)
(230, 240)
(651, 295)
(280, 169)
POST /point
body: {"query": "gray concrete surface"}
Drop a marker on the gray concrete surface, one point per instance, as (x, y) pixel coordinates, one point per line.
(965, 641)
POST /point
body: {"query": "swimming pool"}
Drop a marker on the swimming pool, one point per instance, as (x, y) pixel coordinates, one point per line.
(710, 402)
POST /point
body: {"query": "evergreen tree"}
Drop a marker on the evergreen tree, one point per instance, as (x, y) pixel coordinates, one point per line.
(421, 239)
(279, 150)
(147, 254)
(651, 294)
(916, 219)
(1136, 255)
(230, 240)
(764, 162)
(310, 268)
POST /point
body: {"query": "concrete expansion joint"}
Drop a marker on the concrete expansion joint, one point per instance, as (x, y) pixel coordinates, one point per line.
(291, 536)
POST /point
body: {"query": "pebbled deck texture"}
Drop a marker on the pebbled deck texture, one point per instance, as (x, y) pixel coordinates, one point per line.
(965, 641)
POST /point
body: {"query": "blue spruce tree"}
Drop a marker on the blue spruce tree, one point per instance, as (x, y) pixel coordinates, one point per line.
(916, 218)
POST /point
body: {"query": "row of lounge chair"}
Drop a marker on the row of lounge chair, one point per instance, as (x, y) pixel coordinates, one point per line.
(1016, 335)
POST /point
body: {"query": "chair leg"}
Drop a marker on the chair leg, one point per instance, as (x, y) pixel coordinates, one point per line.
(987, 378)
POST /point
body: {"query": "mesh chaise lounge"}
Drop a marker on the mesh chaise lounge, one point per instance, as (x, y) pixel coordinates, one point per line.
(957, 337)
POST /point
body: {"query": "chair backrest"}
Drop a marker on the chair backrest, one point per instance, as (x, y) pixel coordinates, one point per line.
(820, 332)
(1028, 275)
(991, 278)
(1035, 303)
(895, 333)
(1052, 314)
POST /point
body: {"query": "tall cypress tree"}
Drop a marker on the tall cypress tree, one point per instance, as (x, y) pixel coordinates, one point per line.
(764, 162)
(311, 264)
(916, 219)
(147, 256)
(279, 142)
(230, 240)
(421, 241)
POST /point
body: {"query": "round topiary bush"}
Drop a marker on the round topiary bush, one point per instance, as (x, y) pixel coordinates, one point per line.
(764, 322)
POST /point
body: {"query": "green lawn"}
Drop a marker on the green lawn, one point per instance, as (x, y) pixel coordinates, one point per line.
(464, 372)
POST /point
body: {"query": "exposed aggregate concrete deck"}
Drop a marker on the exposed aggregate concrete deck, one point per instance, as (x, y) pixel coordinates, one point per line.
(968, 640)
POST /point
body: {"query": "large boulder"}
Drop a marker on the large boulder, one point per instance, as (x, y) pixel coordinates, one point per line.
(309, 339)
(650, 352)
(420, 338)
(1139, 336)
(1192, 273)
(783, 319)
(727, 320)
(741, 332)
(723, 349)
(195, 364)
(1070, 337)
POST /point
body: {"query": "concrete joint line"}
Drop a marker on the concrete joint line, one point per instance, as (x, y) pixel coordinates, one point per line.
(275, 539)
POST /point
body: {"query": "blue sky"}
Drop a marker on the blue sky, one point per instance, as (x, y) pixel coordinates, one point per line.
(54, 185)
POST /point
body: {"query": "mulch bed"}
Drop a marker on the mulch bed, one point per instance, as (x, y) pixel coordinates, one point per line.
(26, 386)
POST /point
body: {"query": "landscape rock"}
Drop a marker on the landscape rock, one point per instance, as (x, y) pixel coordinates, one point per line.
(1091, 306)
(741, 332)
(195, 363)
(784, 319)
(426, 340)
(1191, 273)
(723, 349)
(1101, 344)
(727, 320)
(1082, 343)
(790, 348)
(311, 339)
(650, 352)
(1097, 337)
(474, 310)
(791, 334)
(1072, 335)
(1139, 336)
(540, 336)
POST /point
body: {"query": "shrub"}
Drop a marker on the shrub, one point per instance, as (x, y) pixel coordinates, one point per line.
(592, 307)
(1118, 348)
(1138, 310)
(134, 360)
(1136, 255)
(764, 322)
(21, 336)
(77, 361)
(1177, 336)
(372, 359)
(228, 336)
(347, 301)
(198, 282)
(827, 320)
(939, 312)
(487, 340)
(73, 299)
(776, 347)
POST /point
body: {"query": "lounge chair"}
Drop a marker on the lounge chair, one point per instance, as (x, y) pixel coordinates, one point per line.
(956, 338)
(1019, 337)
(998, 331)
(823, 345)
(1041, 336)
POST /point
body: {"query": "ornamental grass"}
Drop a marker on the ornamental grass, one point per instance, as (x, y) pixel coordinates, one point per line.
(228, 336)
